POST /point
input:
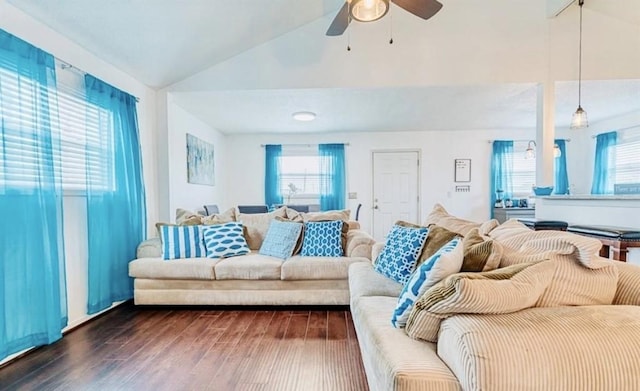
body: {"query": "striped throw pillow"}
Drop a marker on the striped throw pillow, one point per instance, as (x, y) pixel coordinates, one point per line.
(181, 241)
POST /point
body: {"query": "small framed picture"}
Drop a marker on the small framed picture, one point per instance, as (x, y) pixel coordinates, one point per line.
(462, 170)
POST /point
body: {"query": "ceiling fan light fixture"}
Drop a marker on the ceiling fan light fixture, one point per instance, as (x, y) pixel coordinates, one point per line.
(369, 10)
(304, 116)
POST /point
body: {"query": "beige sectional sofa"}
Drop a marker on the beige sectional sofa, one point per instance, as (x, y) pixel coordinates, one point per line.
(251, 279)
(555, 347)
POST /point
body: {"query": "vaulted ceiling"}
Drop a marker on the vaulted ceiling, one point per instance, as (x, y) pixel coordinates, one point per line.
(164, 42)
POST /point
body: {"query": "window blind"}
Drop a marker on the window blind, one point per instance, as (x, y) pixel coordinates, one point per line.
(81, 133)
(627, 161)
(524, 170)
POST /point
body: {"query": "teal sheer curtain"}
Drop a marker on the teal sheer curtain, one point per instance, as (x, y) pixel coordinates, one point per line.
(116, 214)
(561, 185)
(332, 177)
(33, 305)
(501, 170)
(272, 192)
(604, 169)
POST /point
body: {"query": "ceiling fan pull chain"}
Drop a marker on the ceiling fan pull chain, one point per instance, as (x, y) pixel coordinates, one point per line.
(390, 24)
(349, 31)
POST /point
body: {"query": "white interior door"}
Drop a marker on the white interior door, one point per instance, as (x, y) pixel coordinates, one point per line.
(395, 190)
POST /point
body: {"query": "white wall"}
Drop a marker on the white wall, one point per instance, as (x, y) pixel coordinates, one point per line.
(181, 193)
(19, 24)
(245, 165)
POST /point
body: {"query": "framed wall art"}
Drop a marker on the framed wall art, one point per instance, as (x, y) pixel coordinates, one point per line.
(200, 161)
(462, 170)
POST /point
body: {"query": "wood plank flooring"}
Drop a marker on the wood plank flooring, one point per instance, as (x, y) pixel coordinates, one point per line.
(172, 348)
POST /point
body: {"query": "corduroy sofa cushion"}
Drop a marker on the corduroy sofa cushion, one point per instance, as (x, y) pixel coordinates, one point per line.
(540, 349)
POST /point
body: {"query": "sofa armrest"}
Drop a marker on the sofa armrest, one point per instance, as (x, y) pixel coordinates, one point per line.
(627, 292)
(150, 248)
(376, 249)
(358, 244)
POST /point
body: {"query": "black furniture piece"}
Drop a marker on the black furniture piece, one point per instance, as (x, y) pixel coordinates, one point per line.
(615, 240)
(299, 208)
(358, 212)
(249, 209)
(211, 209)
(544, 225)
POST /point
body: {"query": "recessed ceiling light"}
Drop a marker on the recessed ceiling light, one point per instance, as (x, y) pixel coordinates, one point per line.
(304, 116)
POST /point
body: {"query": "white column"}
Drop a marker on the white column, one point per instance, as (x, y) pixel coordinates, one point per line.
(545, 134)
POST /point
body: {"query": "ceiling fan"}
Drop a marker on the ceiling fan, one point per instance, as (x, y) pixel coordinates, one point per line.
(371, 10)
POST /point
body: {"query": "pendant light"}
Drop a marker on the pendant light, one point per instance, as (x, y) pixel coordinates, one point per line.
(579, 119)
(530, 152)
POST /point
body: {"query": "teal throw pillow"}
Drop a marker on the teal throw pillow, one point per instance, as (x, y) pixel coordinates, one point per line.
(224, 240)
(281, 239)
(322, 239)
(445, 262)
(401, 252)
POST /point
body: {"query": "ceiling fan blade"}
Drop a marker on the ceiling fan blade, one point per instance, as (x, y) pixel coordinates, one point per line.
(421, 8)
(341, 21)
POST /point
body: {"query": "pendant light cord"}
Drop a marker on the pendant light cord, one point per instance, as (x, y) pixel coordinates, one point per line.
(580, 3)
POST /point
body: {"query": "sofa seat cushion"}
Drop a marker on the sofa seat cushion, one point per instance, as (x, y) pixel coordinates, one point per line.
(561, 348)
(392, 360)
(252, 266)
(318, 268)
(365, 281)
(185, 268)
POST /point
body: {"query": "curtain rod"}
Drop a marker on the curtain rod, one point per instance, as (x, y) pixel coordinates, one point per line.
(65, 65)
(525, 140)
(305, 145)
(621, 129)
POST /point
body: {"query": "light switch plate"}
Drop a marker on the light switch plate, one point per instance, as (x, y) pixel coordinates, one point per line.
(353, 195)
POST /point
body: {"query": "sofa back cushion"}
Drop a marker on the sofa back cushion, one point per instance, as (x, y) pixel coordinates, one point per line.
(441, 217)
(480, 254)
(498, 291)
(581, 276)
(436, 238)
(257, 224)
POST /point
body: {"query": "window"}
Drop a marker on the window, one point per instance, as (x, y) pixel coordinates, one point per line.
(81, 132)
(524, 170)
(86, 133)
(300, 174)
(627, 161)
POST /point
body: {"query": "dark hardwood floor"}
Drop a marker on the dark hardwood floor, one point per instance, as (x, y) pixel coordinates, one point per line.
(161, 348)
